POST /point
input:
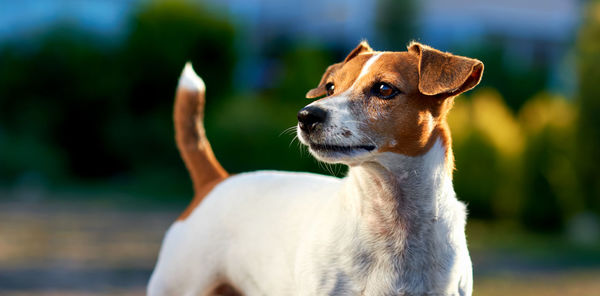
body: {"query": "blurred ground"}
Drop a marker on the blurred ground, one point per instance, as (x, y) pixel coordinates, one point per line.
(78, 248)
(94, 248)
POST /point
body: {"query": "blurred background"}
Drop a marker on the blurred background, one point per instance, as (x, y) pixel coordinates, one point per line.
(90, 177)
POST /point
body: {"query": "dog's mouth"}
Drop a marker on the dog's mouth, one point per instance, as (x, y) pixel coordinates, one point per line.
(340, 149)
(337, 152)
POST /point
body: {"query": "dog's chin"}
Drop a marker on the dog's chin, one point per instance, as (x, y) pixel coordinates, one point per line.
(347, 154)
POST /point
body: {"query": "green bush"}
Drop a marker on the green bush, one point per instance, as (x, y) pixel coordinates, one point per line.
(588, 103)
(78, 107)
(552, 193)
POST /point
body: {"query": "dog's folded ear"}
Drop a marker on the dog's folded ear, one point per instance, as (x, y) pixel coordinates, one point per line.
(442, 73)
(363, 46)
(320, 90)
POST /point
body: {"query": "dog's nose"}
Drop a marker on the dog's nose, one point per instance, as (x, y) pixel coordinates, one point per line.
(310, 117)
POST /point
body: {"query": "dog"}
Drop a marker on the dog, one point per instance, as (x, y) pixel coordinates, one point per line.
(392, 226)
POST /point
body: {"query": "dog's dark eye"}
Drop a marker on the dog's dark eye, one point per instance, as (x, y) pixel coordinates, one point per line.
(329, 88)
(384, 90)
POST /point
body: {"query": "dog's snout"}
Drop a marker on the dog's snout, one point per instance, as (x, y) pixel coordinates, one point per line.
(310, 117)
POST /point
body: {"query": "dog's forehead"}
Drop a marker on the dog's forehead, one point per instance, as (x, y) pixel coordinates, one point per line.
(393, 67)
(349, 72)
(396, 62)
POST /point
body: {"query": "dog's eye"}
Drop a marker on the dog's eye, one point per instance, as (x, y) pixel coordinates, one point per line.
(384, 90)
(329, 88)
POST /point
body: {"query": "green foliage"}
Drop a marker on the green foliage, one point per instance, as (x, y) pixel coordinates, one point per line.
(487, 143)
(515, 78)
(588, 100)
(552, 194)
(80, 107)
(396, 23)
(478, 176)
(39, 105)
(517, 167)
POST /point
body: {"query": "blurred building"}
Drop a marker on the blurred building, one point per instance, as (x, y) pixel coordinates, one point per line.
(26, 18)
(527, 24)
(529, 32)
(343, 21)
(533, 31)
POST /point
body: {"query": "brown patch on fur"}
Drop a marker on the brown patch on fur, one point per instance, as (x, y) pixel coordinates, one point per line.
(344, 74)
(362, 47)
(320, 90)
(412, 121)
(225, 290)
(198, 197)
(442, 72)
(428, 81)
(205, 170)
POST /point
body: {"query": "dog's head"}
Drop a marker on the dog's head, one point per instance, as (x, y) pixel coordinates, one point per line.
(379, 102)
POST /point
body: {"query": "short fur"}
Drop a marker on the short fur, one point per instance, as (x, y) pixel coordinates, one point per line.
(393, 226)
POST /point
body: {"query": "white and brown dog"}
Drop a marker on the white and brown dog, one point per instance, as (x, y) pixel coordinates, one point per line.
(393, 226)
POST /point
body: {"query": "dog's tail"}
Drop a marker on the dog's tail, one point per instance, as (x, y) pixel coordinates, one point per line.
(205, 170)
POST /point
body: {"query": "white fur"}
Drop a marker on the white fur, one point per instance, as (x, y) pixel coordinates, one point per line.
(190, 80)
(366, 67)
(275, 233)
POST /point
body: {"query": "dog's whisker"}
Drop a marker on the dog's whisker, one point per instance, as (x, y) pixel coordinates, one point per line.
(329, 169)
(288, 130)
(292, 141)
(303, 149)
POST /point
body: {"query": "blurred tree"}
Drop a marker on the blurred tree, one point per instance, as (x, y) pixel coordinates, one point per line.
(164, 35)
(588, 101)
(552, 193)
(396, 23)
(51, 105)
(515, 78)
(477, 176)
(77, 106)
(488, 144)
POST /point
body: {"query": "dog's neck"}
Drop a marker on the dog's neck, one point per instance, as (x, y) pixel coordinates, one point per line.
(404, 202)
(399, 191)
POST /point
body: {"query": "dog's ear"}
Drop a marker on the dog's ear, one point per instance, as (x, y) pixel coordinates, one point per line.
(442, 73)
(363, 46)
(320, 90)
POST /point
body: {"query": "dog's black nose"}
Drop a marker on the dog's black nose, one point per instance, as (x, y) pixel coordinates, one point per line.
(310, 117)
